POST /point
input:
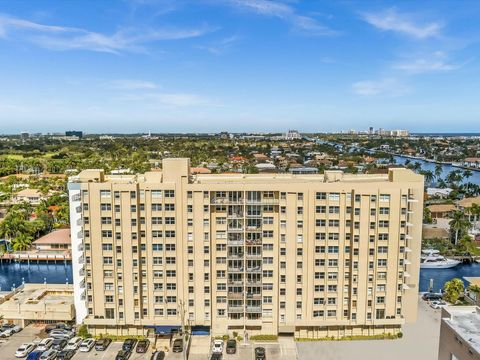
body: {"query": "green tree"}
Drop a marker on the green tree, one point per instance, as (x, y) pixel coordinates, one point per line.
(458, 225)
(438, 171)
(21, 242)
(427, 216)
(453, 289)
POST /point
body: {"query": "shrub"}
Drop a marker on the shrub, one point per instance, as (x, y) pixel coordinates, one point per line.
(239, 338)
(235, 334)
(83, 332)
(264, 337)
(225, 337)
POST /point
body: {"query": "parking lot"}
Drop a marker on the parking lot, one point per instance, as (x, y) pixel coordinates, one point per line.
(284, 349)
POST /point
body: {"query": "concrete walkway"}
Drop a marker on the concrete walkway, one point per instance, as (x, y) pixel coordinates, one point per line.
(420, 341)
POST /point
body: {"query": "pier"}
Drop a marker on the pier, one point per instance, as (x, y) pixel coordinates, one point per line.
(36, 257)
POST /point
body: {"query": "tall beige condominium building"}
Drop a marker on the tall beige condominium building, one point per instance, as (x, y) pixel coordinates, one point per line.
(310, 255)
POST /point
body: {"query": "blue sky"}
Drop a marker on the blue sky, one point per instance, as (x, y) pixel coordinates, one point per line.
(239, 65)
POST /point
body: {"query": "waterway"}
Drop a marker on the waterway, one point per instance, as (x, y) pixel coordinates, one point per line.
(426, 165)
(15, 273)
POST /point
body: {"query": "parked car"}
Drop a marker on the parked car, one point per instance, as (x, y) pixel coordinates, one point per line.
(65, 355)
(431, 296)
(59, 344)
(102, 344)
(17, 328)
(231, 346)
(260, 353)
(123, 355)
(50, 354)
(24, 349)
(129, 345)
(86, 345)
(143, 346)
(45, 344)
(177, 345)
(74, 343)
(438, 304)
(7, 332)
(217, 346)
(50, 327)
(34, 355)
(216, 356)
(63, 334)
(158, 355)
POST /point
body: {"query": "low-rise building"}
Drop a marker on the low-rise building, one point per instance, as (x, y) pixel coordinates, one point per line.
(441, 211)
(460, 333)
(57, 240)
(31, 303)
(32, 196)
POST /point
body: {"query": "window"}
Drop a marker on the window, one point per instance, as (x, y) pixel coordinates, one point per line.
(321, 195)
(105, 207)
(169, 193)
(384, 197)
(156, 207)
(105, 193)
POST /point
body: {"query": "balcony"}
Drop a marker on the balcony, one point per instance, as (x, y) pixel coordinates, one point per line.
(76, 197)
(235, 216)
(235, 242)
(236, 309)
(78, 209)
(412, 200)
(254, 309)
(235, 256)
(256, 269)
(80, 235)
(226, 201)
(254, 282)
(263, 201)
(238, 229)
(235, 295)
(254, 256)
(254, 228)
(80, 222)
(235, 269)
(81, 260)
(257, 296)
(235, 282)
(80, 247)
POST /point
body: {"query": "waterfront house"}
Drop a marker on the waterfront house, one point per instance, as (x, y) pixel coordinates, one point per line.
(439, 192)
(473, 162)
(57, 240)
(441, 211)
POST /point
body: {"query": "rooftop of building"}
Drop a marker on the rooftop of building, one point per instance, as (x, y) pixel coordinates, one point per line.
(60, 236)
(468, 202)
(441, 207)
(35, 294)
(465, 321)
(174, 168)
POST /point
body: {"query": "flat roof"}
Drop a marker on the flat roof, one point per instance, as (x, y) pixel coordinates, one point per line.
(465, 321)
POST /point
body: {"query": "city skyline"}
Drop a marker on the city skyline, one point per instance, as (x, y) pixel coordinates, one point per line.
(241, 65)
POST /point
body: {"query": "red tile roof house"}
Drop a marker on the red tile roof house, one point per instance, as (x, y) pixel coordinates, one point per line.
(32, 196)
(57, 240)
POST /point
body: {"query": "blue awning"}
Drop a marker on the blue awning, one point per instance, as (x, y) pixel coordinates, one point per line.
(164, 329)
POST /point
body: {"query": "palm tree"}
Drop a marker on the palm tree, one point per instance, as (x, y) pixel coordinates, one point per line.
(474, 210)
(458, 224)
(22, 242)
(467, 173)
(438, 171)
(453, 289)
(428, 176)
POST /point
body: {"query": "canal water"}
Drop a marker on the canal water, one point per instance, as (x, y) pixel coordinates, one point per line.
(16, 273)
(475, 178)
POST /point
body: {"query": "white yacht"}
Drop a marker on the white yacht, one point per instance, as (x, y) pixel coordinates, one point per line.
(431, 259)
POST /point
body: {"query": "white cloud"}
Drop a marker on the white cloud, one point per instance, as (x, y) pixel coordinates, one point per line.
(287, 13)
(70, 38)
(129, 84)
(425, 65)
(391, 20)
(219, 47)
(434, 63)
(385, 86)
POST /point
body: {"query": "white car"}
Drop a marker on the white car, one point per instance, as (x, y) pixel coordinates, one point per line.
(87, 345)
(17, 328)
(24, 350)
(217, 347)
(45, 344)
(74, 343)
(61, 334)
(8, 332)
(438, 304)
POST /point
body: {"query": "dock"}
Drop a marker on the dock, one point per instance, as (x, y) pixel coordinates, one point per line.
(36, 257)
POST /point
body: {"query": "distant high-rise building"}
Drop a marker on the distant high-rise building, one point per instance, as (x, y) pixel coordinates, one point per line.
(292, 135)
(76, 133)
(370, 130)
(313, 256)
(24, 135)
